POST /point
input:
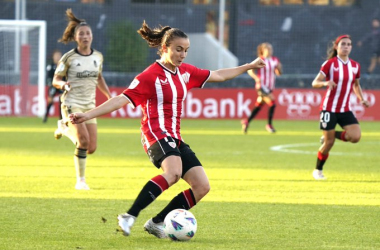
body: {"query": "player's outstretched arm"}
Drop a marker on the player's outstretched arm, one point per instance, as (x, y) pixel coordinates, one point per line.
(107, 107)
(222, 75)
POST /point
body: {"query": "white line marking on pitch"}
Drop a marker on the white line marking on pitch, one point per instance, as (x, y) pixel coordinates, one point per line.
(290, 148)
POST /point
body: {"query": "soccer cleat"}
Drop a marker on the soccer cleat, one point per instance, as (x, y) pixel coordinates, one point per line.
(322, 140)
(81, 185)
(270, 128)
(244, 125)
(126, 221)
(62, 128)
(318, 175)
(57, 134)
(157, 229)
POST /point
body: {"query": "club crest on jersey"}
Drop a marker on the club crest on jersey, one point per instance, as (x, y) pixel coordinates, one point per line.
(324, 124)
(95, 63)
(172, 144)
(186, 77)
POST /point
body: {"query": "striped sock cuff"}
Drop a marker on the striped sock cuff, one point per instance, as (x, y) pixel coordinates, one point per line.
(161, 182)
(322, 157)
(80, 152)
(343, 136)
(189, 196)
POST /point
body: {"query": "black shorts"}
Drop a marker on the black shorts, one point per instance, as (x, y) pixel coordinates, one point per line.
(54, 91)
(263, 93)
(328, 120)
(171, 146)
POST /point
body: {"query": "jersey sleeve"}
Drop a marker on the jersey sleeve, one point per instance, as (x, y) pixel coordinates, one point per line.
(138, 91)
(358, 74)
(325, 68)
(277, 61)
(62, 68)
(195, 77)
(101, 60)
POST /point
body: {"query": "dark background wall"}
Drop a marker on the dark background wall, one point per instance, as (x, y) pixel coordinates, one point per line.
(302, 48)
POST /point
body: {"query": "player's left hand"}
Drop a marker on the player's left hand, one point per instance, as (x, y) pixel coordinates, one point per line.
(76, 118)
(365, 103)
(257, 63)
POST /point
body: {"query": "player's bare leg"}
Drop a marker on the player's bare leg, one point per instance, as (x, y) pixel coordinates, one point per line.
(352, 133)
(197, 179)
(80, 154)
(172, 167)
(93, 133)
(199, 183)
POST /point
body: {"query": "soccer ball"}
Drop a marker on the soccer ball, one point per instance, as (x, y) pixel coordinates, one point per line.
(180, 225)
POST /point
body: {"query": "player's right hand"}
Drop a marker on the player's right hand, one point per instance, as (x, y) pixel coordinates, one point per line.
(76, 118)
(331, 85)
(66, 86)
(257, 63)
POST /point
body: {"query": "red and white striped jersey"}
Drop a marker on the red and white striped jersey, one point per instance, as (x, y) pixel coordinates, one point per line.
(344, 75)
(161, 94)
(267, 74)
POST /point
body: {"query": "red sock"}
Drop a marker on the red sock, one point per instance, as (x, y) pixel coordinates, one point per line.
(322, 157)
(343, 136)
(152, 189)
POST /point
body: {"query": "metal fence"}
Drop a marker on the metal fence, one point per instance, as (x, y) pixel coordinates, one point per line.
(299, 31)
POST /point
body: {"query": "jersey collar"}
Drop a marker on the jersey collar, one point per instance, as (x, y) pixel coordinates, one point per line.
(344, 62)
(76, 51)
(165, 68)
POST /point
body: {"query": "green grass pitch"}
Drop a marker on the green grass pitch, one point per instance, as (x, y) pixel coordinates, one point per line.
(262, 192)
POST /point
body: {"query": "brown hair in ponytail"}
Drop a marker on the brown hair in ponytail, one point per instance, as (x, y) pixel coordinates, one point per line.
(73, 24)
(160, 36)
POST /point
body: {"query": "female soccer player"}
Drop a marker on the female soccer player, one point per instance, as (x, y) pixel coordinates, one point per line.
(265, 80)
(161, 90)
(82, 69)
(340, 75)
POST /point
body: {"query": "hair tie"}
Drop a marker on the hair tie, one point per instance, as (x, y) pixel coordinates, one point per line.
(340, 38)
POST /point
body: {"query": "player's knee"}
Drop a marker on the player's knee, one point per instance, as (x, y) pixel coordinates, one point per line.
(201, 190)
(83, 141)
(355, 139)
(205, 189)
(91, 150)
(272, 104)
(173, 177)
(259, 105)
